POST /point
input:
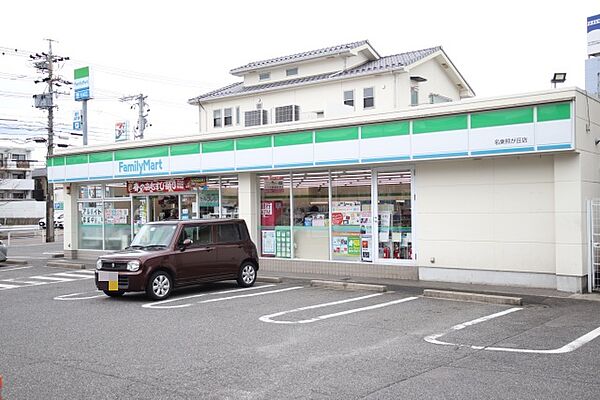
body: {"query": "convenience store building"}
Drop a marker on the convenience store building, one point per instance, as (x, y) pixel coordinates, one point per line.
(477, 191)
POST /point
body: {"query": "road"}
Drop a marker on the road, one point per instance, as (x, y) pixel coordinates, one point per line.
(62, 339)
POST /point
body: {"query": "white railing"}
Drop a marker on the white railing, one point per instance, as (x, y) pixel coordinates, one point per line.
(35, 229)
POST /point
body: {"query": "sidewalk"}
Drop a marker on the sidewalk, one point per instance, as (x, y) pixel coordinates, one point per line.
(529, 295)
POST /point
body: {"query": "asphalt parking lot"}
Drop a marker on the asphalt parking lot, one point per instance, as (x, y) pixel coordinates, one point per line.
(60, 338)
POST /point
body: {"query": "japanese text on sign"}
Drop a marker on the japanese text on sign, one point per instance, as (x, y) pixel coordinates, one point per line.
(169, 185)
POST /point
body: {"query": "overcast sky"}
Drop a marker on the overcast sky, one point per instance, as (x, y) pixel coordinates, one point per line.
(172, 51)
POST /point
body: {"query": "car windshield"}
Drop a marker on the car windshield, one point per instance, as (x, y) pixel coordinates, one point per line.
(152, 235)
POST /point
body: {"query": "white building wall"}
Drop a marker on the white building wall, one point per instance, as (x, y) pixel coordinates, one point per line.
(492, 215)
(328, 98)
(310, 68)
(437, 82)
(22, 209)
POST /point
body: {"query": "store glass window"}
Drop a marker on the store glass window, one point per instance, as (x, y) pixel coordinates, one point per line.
(117, 224)
(140, 213)
(208, 198)
(311, 215)
(188, 207)
(90, 192)
(350, 213)
(276, 239)
(229, 196)
(112, 190)
(90, 218)
(394, 215)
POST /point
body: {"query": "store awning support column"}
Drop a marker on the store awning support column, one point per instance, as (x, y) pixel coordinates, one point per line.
(71, 226)
(248, 202)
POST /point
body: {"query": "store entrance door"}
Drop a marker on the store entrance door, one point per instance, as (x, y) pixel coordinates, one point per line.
(154, 208)
(392, 193)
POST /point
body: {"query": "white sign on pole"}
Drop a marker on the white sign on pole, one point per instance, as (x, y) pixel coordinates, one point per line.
(593, 35)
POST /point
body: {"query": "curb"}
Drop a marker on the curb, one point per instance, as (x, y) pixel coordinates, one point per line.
(15, 262)
(62, 264)
(477, 297)
(55, 255)
(268, 279)
(347, 285)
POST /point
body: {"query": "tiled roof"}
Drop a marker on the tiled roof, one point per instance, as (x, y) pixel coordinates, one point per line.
(326, 51)
(383, 64)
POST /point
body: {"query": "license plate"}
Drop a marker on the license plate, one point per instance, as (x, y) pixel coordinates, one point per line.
(111, 277)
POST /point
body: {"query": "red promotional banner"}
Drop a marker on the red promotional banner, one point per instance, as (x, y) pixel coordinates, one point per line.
(167, 185)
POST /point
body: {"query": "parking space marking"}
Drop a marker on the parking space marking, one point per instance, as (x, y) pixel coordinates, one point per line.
(250, 295)
(269, 318)
(51, 278)
(14, 269)
(37, 280)
(159, 304)
(74, 275)
(574, 345)
(71, 297)
(7, 286)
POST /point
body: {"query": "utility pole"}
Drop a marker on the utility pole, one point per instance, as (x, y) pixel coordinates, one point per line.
(142, 108)
(45, 63)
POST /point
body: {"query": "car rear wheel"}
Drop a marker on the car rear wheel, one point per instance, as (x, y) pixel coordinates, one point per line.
(113, 293)
(247, 274)
(159, 286)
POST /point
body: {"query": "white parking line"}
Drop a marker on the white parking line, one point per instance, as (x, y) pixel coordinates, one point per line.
(269, 318)
(159, 304)
(575, 344)
(61, 277)
(14, 269)
(71, 297)
(51, 278)
(250, 295)
(7, 286)
(74, 275)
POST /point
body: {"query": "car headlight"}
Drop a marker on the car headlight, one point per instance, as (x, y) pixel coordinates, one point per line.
(133, 266)
(99, 264)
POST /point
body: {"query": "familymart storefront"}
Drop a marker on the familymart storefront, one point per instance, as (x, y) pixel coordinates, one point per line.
(465, 192)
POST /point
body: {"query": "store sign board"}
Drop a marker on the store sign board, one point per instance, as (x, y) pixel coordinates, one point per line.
(593, 35)
(520, 129)
(142, 166)
(167, 185)
(81, 84)
(273, 185)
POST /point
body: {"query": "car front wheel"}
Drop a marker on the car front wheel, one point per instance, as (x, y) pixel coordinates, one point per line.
(159, 286)
(247, 275)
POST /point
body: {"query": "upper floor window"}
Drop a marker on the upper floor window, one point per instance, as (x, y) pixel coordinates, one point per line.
(291, 71)
(264, 76)
(414, 95)
(287, 114)
(255, 118)
(227, 117)
(18, 195)
(19, 157)
(18, 176)
(368, 97)
(217, 118)
(349, 98)
(237, 115)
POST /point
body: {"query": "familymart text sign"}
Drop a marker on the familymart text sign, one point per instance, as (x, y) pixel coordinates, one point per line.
(82, 84)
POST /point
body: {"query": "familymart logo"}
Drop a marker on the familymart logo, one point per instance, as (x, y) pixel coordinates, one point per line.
(140, 167)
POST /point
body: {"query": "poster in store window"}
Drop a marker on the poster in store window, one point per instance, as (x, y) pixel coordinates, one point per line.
(268, 243)
(384, 226)
(91, 216)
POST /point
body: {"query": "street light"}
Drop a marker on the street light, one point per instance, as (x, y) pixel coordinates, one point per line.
(559, 77)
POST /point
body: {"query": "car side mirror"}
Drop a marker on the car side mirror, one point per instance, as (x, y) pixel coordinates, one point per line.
(187, 242)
